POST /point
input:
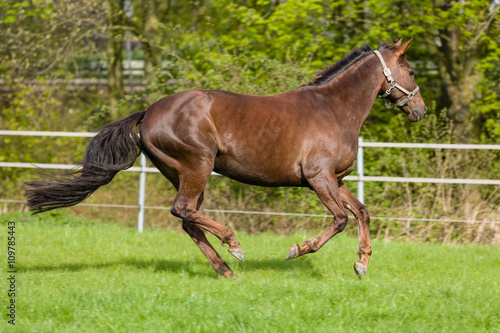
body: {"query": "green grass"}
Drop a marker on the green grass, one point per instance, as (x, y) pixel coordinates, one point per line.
(77, 275)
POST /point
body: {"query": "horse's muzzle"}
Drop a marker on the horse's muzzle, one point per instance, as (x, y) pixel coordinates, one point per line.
(417, 114)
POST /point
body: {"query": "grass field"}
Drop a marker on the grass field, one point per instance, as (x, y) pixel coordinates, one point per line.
(76, 275)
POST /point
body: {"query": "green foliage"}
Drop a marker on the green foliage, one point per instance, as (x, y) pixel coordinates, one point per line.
(274, 31)
(489, 103)
(259, 47)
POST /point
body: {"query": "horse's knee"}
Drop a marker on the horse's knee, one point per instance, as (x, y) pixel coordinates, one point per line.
(364, 216)
(341, 222)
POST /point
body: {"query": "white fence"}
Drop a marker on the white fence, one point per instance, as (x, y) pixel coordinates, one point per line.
(360, 177)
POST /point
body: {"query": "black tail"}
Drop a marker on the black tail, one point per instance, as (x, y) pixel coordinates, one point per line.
(115, 148)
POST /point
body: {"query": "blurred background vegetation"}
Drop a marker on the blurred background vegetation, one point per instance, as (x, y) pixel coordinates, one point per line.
(76, 65)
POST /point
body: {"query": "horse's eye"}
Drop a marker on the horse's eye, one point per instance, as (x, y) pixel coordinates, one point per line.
(412, 73)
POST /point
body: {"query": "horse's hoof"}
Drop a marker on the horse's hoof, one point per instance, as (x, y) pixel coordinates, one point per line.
(359, 269)
(293, 252)
(237, 253)
(227, 274)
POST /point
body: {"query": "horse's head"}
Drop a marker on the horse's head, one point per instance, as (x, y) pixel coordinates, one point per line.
(400, 87)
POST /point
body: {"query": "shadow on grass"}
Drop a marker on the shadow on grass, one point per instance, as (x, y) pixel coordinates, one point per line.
(277, 264)
(172, 266)
(192, 267)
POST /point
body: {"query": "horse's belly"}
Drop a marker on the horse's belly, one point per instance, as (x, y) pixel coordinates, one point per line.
(260, 172)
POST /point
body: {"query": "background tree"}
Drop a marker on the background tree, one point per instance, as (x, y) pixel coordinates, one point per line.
(260, 47)
(115, 31)
(460, 38)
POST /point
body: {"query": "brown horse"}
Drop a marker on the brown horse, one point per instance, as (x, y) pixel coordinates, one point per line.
(307, 137)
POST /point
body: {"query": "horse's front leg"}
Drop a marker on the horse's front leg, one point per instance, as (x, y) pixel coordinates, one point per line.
(327, 189)
(359, 210)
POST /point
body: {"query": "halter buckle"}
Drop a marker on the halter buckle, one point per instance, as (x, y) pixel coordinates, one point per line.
(387, 71)
(387, 104)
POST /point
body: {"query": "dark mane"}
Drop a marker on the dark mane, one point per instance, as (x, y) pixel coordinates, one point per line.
(340, 66)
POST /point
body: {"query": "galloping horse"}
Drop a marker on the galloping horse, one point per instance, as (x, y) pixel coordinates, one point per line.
(306, 137)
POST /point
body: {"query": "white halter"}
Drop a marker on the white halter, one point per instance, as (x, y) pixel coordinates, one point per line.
(393, 84)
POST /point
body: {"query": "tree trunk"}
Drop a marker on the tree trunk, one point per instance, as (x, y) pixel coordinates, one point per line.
(459, 81)
(115, 59)
(115, 75)
(460, 96)
(155, 12)
(153, 53)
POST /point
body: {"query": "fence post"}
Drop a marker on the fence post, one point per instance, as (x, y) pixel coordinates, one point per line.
(142, 194)
(360, 166)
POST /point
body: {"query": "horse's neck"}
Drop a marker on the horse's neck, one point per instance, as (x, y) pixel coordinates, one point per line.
(358, 88)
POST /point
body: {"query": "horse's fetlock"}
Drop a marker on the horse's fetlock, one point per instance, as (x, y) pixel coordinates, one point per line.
(364, 251)
(230, 239)
(227, 237)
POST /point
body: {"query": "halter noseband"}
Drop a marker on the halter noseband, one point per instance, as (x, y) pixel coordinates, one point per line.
(393, 84)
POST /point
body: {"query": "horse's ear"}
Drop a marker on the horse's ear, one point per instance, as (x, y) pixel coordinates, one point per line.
(398, 44)
(403, 48)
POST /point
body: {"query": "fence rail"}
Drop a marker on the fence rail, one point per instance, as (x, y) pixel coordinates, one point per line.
(360, 177)
(428, 145)
(361, 143)
(248, 212)
(355, 178)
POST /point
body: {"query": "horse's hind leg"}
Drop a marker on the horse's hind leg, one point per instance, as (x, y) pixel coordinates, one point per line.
(359, 210)
(195, 232)
(202, 242)
(191, 186)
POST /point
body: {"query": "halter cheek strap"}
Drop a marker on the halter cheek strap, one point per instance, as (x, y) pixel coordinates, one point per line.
(393, 84)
